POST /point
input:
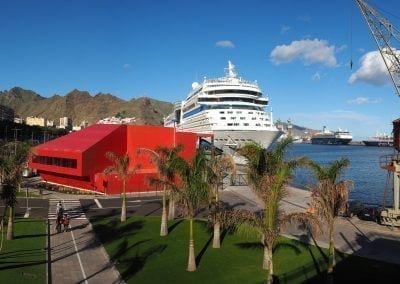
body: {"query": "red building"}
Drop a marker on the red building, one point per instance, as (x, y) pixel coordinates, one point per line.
(78, 159)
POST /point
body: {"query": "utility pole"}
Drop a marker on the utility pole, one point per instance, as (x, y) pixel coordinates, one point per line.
(15, 139)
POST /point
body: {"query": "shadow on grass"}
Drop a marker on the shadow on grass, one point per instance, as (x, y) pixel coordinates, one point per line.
(250, 245)
(18, 264)
(23, 254)
(203, 250)
(223, 236)
(29, 236)
(107, 232)
(173, 226)
(129, 266)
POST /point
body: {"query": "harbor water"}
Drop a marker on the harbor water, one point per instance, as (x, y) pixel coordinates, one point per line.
(371, 183)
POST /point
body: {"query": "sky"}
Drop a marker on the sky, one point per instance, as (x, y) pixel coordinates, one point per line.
(299, 52)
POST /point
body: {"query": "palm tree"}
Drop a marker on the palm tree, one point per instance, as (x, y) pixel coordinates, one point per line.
(167, 161)
(218, 167)
(13, 159)
(329, 196)
(194, 192)
(268, 175)
(120, 167)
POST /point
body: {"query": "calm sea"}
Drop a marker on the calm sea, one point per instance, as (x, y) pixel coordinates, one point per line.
(370, 181)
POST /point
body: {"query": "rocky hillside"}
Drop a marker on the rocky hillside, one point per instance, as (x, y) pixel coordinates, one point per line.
(80, 105)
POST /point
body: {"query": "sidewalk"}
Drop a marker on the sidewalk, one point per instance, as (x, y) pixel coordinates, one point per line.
(77, 256)
(351, 235)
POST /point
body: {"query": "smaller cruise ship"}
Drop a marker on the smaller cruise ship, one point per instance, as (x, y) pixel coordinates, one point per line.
(327, 137)
(380, 140)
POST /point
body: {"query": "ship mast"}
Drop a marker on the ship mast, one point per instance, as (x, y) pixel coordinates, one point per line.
(230, 71)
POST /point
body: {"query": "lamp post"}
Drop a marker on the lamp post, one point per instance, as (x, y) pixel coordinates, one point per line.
(27, 204)
(174, 132)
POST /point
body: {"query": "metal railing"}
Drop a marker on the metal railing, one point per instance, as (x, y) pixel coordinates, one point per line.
(386, 161)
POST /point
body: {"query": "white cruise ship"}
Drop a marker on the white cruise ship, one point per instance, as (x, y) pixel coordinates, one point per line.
(229, 108)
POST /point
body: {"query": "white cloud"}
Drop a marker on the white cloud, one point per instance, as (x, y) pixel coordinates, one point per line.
(314, 51)
(225, 44)
(363, 100)
(372, 71)
(316, 76)
(304, 18)
(126, 66)
(284, 29)
(341, 48)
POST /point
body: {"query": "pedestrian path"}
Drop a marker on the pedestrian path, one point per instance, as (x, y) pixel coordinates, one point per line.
(72, 207)
(76, 255)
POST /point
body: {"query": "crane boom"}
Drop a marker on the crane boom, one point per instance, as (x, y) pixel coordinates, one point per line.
(385, 36)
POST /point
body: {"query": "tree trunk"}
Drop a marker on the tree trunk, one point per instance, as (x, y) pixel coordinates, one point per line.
(332, 260)
(164, 223)
(265, 256)
(217, 224)
(192, 260)
(171, 208)
(217, 235)
(268, 264)
(123, 208)
(10, 225)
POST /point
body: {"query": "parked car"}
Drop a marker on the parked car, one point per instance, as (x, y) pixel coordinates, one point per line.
(370, 213)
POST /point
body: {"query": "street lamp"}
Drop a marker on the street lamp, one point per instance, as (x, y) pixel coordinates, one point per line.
(27, 204)
(174, 120)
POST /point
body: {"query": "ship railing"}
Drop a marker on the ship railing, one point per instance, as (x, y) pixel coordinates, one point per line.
(224, 81)
(386, 161)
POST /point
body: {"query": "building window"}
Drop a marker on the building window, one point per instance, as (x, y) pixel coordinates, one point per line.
(55, 161)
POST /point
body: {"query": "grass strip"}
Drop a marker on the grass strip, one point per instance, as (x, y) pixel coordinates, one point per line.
(23, 260)
(142, 256)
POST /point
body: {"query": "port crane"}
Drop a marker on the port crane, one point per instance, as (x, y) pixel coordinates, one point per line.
(387, 37)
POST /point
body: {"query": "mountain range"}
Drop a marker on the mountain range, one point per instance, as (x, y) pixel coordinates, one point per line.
(81, 106)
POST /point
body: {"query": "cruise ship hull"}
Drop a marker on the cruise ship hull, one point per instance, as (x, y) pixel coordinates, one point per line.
(378, 143)
(234, 139)
(330, 141)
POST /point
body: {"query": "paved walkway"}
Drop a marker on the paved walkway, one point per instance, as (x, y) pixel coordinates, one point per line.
(77, 256)
(352, 235)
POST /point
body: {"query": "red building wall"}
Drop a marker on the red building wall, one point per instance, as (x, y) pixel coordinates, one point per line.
(90, 145)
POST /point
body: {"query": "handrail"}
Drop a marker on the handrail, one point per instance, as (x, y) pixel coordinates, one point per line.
(386, 161)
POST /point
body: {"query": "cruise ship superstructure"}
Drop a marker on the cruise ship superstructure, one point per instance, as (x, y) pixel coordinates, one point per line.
(229, 108)
(339, 137)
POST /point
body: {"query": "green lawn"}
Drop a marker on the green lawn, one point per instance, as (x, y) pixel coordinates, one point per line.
(144, 257)
(23, 260)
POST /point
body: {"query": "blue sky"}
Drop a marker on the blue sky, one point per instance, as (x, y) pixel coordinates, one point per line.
(299, 51)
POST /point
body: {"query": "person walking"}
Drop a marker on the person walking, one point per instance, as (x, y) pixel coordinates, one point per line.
(59, 213)
(59, 209)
